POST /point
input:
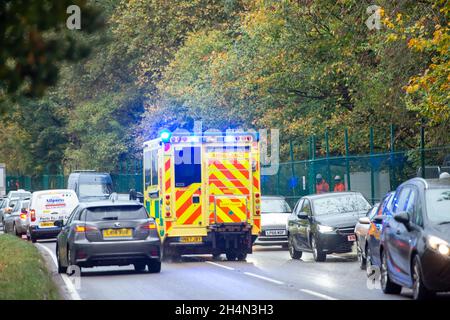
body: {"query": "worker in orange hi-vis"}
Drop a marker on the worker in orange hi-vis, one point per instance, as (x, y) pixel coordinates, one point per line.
(321, 185)
(338, 184)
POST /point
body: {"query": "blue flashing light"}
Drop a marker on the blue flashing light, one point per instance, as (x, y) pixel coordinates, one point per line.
(165, 135)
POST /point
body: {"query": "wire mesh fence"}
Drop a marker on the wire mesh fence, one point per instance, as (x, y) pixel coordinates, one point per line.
(373, 174)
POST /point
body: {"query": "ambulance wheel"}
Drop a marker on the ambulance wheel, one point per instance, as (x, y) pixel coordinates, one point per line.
(231, 256)
(242, 256)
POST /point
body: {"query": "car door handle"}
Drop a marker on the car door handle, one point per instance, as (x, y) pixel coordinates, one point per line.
(398, 232)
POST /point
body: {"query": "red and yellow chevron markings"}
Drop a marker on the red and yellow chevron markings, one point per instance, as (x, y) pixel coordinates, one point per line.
(187, 212)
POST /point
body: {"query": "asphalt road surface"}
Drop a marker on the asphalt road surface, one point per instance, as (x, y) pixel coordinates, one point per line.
(268, 274)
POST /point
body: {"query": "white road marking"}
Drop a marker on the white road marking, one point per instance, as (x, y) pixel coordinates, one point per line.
(263, 278)
(70, 287)
(317, 294)
(220, 265)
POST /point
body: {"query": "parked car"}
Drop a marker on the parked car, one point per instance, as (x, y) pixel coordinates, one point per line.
(16, 222)
(109, 233)
(19, 194)
(90, 185)
(274, 215)
(8, 207)
(371, 252)
(415, 242)
(325, 223)
(3, 205)
(46, 207)
(361, 232)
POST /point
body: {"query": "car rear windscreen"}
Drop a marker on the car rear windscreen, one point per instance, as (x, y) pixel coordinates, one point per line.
(115, 213)
(274, 206)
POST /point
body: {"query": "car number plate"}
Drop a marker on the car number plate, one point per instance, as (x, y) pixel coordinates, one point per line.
(276, 232)
(190, 239)
(117, 233)
(351, 237)
(46, 224)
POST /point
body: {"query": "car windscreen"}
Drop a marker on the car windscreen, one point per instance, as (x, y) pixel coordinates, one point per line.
(95, 190)
(340, 204)
(275, 206)
(438, 205)
(115, 213)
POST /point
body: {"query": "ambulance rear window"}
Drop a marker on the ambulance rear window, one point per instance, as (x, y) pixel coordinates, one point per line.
(188, 168)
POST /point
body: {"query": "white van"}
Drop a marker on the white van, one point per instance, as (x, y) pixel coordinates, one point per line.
(46, 207)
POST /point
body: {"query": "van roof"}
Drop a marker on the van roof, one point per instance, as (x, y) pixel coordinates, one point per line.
(53, 191)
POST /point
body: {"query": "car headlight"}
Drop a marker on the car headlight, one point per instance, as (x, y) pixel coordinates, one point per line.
(325, 228)
(439, 245)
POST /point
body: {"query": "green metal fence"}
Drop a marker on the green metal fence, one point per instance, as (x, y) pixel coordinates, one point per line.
(373, 174)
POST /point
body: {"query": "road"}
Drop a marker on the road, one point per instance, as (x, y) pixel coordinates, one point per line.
(268, 274)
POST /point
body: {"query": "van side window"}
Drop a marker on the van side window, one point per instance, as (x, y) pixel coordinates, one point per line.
(154, 167)
(147, 167)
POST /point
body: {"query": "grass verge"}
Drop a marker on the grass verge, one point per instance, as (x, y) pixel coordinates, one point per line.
(23, 274)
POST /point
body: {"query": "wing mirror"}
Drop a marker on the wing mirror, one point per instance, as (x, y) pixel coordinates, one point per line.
(302, 215)
(59, 223)
(402, 217)
(364, 220)
(140, 197)
(154, 194)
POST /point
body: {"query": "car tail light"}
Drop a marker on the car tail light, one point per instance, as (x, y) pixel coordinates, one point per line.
(33, 215)
(149, 225)
(23, 216)
(84, 228)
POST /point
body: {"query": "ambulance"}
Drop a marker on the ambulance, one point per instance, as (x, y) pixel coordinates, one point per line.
(45, 208)
(204, 192)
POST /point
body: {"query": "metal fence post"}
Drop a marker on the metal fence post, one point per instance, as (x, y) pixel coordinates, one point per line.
(291, 150)
(422, 148)
(347, 162)
(372, 177)
(313, 161)
(391, 158)
(327, 153)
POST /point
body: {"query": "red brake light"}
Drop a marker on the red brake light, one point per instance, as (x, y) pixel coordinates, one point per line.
(149, 226)
(33, 215)
(167, 196)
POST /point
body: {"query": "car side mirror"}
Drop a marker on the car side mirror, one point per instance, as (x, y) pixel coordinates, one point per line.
(364, 220)
(59, 223)
(302, 215)
(402, 217)
(154, 194)
(133, 194)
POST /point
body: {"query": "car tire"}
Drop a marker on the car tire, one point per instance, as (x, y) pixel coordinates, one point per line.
(319, 256)
(294, 253)
(61, 269)
(420, 291)
(139, 267)
(387, 285)
(362, 260)
(154, 266)
(14, 231)
(231, 255)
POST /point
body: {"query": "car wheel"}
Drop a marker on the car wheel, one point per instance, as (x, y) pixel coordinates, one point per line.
(295, 254)
(61, 269)
(139, 267)
(319, 256)
(420, 291)
(15, 231)
(154, 266)
(231, 255)
(362, 260)
(387, 285)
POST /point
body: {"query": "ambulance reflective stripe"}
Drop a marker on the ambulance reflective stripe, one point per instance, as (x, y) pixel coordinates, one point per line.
(188, 212)
(167, 176)
(256, 185)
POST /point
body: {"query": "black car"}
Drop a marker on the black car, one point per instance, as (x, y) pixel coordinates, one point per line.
(415, 241)
(109, 233)
(325, 223)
